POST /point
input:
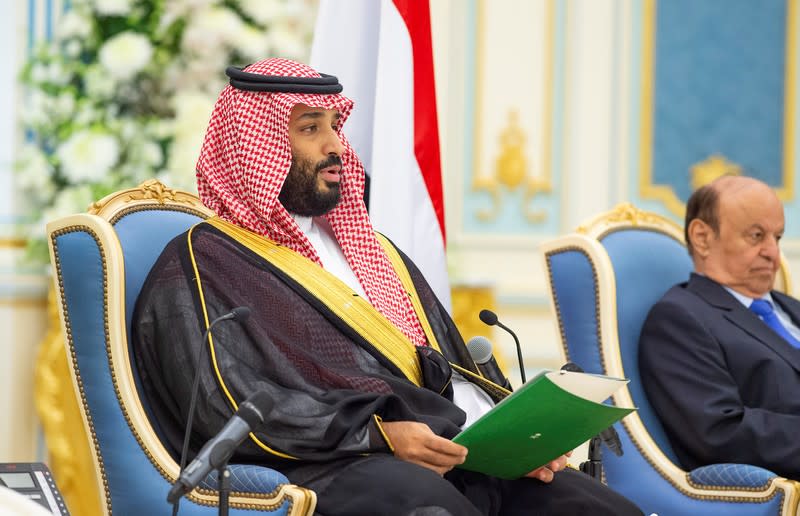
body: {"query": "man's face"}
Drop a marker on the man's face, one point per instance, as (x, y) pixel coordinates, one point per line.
(312, 185)
(745, 255)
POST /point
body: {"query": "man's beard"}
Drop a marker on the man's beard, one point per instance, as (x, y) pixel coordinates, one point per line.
(301, 194)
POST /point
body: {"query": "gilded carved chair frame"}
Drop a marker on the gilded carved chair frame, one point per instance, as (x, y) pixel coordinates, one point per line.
(587, 240)
(98, 223)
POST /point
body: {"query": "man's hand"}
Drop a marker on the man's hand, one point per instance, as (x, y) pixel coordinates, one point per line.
(416, 442)
(547, 472)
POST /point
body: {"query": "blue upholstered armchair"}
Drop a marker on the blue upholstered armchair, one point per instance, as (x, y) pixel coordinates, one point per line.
(603, 280)
(101, 259)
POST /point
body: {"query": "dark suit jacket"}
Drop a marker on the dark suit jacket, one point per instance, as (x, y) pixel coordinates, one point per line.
(725, 385)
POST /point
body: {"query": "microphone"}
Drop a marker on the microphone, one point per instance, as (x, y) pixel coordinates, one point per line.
(480, 349)
(216, 452)
(240, 314)
(609, 436)
(490, 318)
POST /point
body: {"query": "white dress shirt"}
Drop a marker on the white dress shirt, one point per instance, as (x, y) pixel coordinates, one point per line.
(321, 236)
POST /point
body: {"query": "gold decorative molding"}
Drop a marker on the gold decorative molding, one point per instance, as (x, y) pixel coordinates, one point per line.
(626, 214)
(711, 168)
(647, 189)
(59, 389)
(468, 301)
(24, 302)
(70, 458)
(511, 168)
(535, 186)
(13, 243)
(488, 185)
(145, 193)
(511, 172)
(785, 192)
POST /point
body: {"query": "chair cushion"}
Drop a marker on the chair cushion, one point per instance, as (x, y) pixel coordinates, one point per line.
(731, 475)
(248, 479)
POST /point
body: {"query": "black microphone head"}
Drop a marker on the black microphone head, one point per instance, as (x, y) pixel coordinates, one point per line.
(480, 349)
(241, 313)
(572, 366)
(255, 408)
(488, 317)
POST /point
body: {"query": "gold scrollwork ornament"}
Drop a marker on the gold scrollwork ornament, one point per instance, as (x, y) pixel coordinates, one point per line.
(511, 172)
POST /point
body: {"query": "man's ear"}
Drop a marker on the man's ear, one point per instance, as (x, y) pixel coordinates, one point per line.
(700, 235)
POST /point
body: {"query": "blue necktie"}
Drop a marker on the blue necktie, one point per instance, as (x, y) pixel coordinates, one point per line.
(764, 309)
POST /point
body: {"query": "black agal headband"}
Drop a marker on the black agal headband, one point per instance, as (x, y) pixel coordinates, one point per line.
(241, 80)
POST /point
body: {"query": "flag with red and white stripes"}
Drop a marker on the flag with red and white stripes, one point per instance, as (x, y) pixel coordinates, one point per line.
(381, 51)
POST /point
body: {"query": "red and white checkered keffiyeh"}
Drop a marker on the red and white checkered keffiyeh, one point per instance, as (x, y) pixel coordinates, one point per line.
(244, 161)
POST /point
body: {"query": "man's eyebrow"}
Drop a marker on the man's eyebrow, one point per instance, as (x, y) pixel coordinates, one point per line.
(313, 115)
(759, 227)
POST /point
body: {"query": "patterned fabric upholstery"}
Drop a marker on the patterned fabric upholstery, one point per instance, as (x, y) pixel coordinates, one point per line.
(246, 478)
(731, 475)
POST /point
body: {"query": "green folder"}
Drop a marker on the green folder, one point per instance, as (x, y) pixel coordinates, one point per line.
(551, 414)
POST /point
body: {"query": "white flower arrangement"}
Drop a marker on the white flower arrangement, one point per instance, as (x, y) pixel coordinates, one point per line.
(125, 90)
(87, 156)
(125, 55)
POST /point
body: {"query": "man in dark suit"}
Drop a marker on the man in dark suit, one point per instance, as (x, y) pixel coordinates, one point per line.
(724, 376)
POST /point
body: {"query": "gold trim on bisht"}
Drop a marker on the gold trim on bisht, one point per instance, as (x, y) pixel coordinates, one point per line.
(408, 285)
(354, 310)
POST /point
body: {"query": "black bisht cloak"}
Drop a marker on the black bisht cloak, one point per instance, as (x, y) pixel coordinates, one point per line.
(331, 385)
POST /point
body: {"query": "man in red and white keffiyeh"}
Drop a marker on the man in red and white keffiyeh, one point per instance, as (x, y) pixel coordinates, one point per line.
(366, 426)
(246, 158)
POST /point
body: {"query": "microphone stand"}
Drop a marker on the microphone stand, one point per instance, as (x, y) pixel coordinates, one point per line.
(223, 480)
(519, 351)
(594, 465)
(239, 314)
(490, 318)
(224, 488)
